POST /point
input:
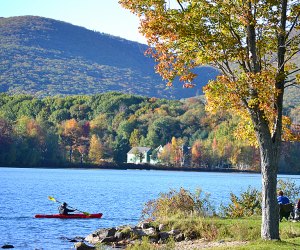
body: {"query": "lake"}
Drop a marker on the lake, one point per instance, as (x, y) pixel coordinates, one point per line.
(118, 194)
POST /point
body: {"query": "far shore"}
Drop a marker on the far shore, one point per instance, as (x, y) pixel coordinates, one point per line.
(132, 166)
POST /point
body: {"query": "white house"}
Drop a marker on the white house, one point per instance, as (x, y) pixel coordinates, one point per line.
(139, 155)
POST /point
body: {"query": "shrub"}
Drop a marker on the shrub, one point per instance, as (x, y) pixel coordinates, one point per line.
(174, 202)
(247, 205)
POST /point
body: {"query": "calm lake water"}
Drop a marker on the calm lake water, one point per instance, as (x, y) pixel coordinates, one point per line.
(118, 194)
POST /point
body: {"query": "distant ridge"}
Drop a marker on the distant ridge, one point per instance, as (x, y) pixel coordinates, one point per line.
(42, 56)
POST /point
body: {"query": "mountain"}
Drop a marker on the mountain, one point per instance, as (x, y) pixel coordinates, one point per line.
(42, 56)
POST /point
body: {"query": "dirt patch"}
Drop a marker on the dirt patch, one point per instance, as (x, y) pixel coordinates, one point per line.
(202, 244)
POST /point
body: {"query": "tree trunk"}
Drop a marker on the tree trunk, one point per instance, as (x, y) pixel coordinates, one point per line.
(270, 212)
(269, 146)
(70, 154)
(269, 155)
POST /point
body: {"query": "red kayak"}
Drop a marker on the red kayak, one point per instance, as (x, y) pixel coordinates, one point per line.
(69, 216)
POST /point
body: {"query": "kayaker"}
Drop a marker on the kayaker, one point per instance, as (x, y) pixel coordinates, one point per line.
(64, 210)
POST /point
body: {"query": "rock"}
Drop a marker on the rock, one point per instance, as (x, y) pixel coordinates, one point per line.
(126, 231)
(7, 246)
(119, 236)
(108, 239)
(83, 246)
(91, 238)
(139, 232)
(100, 234)
(163, 236)
(174, 232)
(161, 227)
(144, 225)
(179, 237)
(75, 239)
(120, 228)
(149, 231)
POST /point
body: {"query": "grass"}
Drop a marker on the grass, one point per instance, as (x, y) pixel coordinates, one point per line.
(213, 229)
(242, 229)
(289, 244)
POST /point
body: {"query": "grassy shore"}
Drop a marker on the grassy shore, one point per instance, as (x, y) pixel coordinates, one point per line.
(223, 230)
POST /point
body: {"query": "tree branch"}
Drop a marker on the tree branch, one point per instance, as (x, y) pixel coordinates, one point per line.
(180, 5)
(290, 73)
(293, 25)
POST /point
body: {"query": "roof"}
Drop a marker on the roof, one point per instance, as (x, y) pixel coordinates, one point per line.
(139, 149)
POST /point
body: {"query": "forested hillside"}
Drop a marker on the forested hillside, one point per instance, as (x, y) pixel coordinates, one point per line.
(43, 57)
(55, 131)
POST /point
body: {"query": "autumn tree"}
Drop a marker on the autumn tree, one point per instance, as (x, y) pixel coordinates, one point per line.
(197, 149)
(96, 150)
(71, 134)
(252, 43)
(165, 154)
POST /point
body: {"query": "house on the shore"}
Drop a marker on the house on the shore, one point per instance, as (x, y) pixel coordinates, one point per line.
(139, 155)
(154, 157)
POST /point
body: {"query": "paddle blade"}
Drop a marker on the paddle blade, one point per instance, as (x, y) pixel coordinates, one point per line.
(51, 198)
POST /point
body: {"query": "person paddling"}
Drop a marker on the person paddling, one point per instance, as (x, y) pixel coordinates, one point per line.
(63, 209)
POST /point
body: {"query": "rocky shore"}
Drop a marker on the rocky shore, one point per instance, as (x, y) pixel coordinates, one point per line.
(122, 236)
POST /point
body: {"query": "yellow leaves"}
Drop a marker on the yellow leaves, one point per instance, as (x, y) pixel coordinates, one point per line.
(245, 131)
(250, 91)
(95, 150)
(70, 124)
(291, 132)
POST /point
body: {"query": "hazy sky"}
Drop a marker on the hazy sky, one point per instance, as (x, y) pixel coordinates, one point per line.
(101, 15)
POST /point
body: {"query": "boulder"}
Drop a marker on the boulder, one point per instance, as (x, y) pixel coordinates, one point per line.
(119, 236)
(100, 234)
(179, 237)
(149, 231)
(161, 227)
(109, 239)
(163, 236)
(83, 246)
(139, 232)
(174, 232)
(143, 225)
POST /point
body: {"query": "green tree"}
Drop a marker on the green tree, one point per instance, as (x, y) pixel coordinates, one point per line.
(6, 140)
(162, 130)
(252, 43)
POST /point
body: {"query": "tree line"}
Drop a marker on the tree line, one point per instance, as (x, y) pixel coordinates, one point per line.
(96, 129)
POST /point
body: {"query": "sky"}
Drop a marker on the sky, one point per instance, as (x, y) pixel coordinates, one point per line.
(105, 16)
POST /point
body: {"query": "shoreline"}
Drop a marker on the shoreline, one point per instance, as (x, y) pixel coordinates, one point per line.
(132, 166)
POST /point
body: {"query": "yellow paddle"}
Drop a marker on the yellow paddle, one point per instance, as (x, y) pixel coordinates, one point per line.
(53, 199)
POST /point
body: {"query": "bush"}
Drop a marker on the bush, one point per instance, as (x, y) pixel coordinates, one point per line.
(247, 205)
(173, 202)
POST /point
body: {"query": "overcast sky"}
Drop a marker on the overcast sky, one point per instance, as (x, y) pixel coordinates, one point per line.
(101, 15)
